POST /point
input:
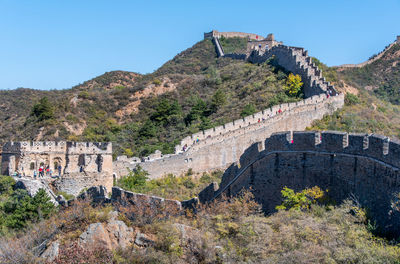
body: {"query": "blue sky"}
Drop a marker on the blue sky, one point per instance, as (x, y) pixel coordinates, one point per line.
(59, 44)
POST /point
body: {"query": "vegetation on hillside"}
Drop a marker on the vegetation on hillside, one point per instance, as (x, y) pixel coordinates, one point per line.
(226, 231)
(234, 45)
(18, 209)
(201, 91)
(170, 186)
(363, 113)
(382, 76)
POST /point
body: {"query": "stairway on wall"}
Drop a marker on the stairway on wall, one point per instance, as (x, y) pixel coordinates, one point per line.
(296, 60)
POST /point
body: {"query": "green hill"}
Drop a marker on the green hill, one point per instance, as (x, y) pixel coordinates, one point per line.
(141, 113)
(372, 103)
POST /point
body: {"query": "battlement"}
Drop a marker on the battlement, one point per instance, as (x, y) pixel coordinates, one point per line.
(56, 146)
(374, 146)
(261, 118)
(358, 165)
(217, 34)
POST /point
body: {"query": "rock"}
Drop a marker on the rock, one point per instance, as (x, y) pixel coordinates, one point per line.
(98, 194)
(32, 186)
(143, 241)
(110, 235)
(61, 200)
(120, 234)
(187, 232)
(52, 251)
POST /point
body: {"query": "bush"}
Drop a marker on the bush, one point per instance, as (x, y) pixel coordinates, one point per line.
(43, 110)
(248, 110)
(135, 180)
(300, 200)
(157, 82)
(20, 209)
(293, 84)
(351, 99)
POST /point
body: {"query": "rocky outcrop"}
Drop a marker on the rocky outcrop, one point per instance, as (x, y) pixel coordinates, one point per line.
(110, 235)
(142, 240)
(52, 251)
(32, 186)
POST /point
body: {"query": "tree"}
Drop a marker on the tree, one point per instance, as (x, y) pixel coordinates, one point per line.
(198, 110)
(218, 100)
(43, 110)
(20, 208)
(293, 84)
(166, 111)
(148, 130)
(248, 110)
(135, 180)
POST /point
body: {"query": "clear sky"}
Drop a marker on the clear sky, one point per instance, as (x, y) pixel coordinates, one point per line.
(58, 44)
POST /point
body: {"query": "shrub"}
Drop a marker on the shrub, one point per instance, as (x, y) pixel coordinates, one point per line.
(351, 99)
(249, 109)
(43, 110)
(293, 84)
(300, 200)
(135, 180)
(20, 209)
(83, 95)
(157, 82)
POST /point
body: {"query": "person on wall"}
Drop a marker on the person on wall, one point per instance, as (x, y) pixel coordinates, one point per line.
(59, 171)
(41, 171)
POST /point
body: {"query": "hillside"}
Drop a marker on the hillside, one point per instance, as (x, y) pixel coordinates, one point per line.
(225, 231)
(372, 101)
(142, 113)
(382, 76)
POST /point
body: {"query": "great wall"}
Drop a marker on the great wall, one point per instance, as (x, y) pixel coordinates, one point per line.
(218, 147)
(364, 167)
(374, 58)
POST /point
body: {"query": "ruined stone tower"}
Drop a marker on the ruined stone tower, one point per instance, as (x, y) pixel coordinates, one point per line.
(82, 164)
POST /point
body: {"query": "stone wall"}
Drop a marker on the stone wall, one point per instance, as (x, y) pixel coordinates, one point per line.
(364, 166)
(83, 164)
(218, 47)
(218, 34)
(297, 61)
(218, 147)
(375, 58)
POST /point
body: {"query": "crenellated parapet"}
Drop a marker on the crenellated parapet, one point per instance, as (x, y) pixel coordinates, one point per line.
(218, 147)
(361, 166)
(297, 61)
(76, 164)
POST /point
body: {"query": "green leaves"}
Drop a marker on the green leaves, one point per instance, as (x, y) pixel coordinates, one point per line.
(135, 180)
(248, 110)
(18, 208)
(43, 110)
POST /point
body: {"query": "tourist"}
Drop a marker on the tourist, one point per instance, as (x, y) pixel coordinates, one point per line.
(47, 170)
(59, 171)
(51, 173)
(34, 174)
(41, 171)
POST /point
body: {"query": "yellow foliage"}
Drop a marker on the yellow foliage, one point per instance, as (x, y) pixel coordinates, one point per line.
(293, 84)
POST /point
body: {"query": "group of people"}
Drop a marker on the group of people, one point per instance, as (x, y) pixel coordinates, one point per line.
(46, 170)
